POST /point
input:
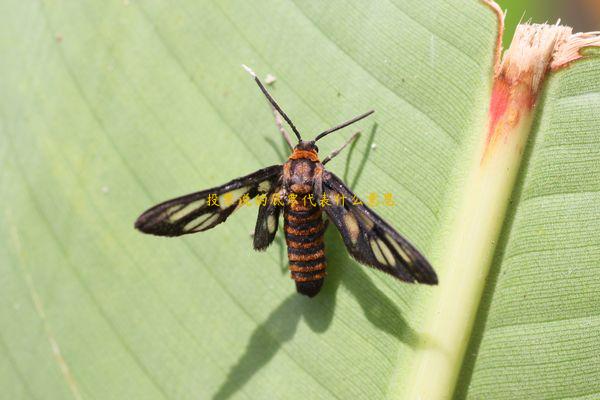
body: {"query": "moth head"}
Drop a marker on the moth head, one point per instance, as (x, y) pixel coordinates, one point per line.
(307, 145)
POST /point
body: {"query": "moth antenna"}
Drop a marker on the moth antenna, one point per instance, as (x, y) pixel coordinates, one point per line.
(343, 125)
(272, 101)
(280, 127)
(339, 149)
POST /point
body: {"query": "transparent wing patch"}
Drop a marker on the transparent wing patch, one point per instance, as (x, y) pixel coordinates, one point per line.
(371, 240)
(204, 210)
(267, 221)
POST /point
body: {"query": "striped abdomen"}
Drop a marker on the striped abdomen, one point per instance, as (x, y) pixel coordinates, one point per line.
(304, 230)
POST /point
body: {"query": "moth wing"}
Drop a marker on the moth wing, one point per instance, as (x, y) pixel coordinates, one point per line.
(372, 241)
(267, 221)
(194, 213)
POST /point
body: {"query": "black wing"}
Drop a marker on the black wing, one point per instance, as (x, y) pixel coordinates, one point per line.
(267, 221)
(195, 213)
(371, 240)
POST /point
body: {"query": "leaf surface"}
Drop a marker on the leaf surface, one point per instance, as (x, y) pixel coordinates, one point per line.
(111, 107)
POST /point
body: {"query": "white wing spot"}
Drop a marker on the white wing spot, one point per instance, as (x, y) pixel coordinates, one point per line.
(352, 227)
(399, 249)
(228, 198)
(378, 254)
(271, 223)
(207, 222)
(195, 226)
(264, 186)
(185, 210)
(367, 221)
(191, 225)
(387, 253)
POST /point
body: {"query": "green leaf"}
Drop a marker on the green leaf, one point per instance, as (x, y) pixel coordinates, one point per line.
(538, 326)
(111, 107)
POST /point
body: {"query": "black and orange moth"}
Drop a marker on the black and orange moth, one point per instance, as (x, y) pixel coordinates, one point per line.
(368, 238)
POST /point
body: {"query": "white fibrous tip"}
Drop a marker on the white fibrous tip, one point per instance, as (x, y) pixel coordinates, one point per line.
(248, 70)
(535, 47)
(531, 52)
(570, 49)
(270, 79)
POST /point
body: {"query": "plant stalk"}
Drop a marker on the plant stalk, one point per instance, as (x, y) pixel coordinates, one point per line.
(466, 249)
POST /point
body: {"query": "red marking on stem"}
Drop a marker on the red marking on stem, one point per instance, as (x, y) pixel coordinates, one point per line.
(509, 102)
(498, 105)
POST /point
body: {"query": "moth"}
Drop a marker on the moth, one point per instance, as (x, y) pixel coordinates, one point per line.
(368, 238)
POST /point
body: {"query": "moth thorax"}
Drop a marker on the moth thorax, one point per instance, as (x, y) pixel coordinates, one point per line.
(302, 176)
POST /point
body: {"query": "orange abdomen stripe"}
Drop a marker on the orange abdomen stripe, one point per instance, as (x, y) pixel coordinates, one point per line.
(304, 230)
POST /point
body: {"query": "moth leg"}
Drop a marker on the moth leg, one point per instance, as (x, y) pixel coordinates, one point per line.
(283, 195)
(280, 127)
(339, 149)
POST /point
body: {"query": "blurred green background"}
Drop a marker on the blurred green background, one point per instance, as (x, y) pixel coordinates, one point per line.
(582, 15)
